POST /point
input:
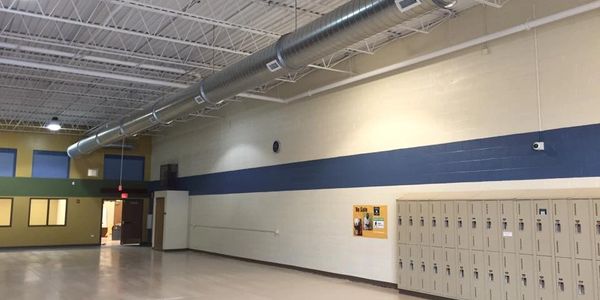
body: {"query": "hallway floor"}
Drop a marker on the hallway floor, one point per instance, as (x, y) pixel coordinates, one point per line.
(141, 273)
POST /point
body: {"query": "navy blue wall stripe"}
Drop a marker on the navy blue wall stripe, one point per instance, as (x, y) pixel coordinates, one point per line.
(570, 152)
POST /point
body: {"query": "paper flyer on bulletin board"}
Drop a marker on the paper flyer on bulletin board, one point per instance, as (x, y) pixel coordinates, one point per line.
(370, 221)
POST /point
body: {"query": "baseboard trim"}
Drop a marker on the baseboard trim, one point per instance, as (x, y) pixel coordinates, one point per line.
(47, 247)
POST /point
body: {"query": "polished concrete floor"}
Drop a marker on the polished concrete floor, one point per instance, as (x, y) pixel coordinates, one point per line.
(141, 273)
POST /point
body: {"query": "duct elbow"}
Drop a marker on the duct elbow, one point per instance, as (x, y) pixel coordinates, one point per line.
(73, 150)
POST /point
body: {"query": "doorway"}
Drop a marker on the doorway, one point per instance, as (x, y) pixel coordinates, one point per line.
(112, 216)
(122, 222)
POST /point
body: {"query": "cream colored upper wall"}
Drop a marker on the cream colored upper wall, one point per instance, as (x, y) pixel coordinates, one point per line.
(467, 95)
(26, 143)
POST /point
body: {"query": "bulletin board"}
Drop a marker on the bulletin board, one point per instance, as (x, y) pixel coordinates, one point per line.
(370, 221)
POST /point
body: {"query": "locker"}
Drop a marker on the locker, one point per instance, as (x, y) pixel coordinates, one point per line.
(507, 225)
(413, 233)
(424, 275)
(463, 274)
(510, 281)
(435, 285)
(562, 233)
(527, 277)
(491, 226)
(403, 222)
(436, 224)
(414, 253)
(403, 270)
(493, 275)
(545, 280)
(449, 277)
(596, 225)
(461, 211)
(476, 225)
(478, 275)
(448, 224)
(564, 278)
(584, 280)
(423, 223)
(582, 229)
(524, 230)
(543, 228)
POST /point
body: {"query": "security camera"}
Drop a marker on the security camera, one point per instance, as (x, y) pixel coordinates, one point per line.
(538, 146)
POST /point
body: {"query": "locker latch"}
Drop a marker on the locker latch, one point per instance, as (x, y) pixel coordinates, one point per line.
(433, 222)
(491, 275)
(504, 225)
(410, 221)
(557, 226)
(460, 223)
(400, 264)
(561, 286)
(423, 267)
(461, 272)
(448, 270)
(399, 221)
(474, 224)
(577, 227)
(507, 278)
(422, 222)
(488, 224)
(542, 283)
(447, 223)
(580, 289)
(539, 225)
(521, 225)
(476, 274)
(597, 227)
(435, 269)
(523, 279)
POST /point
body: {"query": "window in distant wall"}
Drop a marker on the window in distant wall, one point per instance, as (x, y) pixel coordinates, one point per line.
(50, 164)
(133, 167)
(6, 212)
(8, 162)
(48, 212)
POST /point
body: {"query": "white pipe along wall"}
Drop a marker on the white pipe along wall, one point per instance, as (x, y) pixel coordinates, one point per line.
(467, 101)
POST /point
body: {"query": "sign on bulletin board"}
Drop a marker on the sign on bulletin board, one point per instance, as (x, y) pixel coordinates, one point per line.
(370, 221)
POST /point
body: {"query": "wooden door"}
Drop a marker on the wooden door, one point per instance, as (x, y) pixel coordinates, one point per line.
(159, 223)
(131, 222)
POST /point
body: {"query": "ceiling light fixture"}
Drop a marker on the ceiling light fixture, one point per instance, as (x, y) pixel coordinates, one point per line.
(54, 124)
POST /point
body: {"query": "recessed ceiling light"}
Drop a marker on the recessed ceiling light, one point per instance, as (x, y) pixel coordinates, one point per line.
(54, 125)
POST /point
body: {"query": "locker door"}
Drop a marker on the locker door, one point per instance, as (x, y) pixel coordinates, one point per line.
(413, 267)
(449, 273)
(478, 275)
(562, 233)
(564, 278)
(435, 284)
(424, 277)
(403, 267)
(543, 228)
(476, 225)
(510, 281)
(493, 276)
(596, 225)
(545, 278)
(524, 230)
(507, 226)
(448, 224)
(527, 278)
(424, 223)
(491, 226)
(584, 280)
(436, 224)
(463, 274)
(583, 228)
(412, 222)
(461, 211)
(403, 222)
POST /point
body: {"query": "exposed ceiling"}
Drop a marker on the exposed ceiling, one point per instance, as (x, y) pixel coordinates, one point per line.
(90, 62)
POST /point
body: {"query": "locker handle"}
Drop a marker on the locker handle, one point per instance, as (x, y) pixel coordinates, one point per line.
(539, 225)
(474, 224)
(412, 266)
(489, 224)
(461, 272)
(542, 283)
(401, 264)
(507, 279)
(410, 221)
(491, 276)
(447, 223)
(523, 280)
(423, 267)
(476, 274)
(521, 225)
(433, 222)
(597, 227)
(578, 227)
(504, 225)
(448, 271)
(561, 286)
(557, 226)
(399, 221)
(460, 223)
(580, 289)
(422, 222)
(435, 269)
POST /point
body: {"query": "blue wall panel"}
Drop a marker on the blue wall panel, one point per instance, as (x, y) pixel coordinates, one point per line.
(570, 152)
(133, 167)
(8, 162)
(50, 164)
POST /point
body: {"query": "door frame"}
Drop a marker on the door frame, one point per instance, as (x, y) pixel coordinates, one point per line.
(142, 227)
(155, 232)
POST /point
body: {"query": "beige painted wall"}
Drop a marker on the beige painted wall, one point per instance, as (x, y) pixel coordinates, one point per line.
(83, 225)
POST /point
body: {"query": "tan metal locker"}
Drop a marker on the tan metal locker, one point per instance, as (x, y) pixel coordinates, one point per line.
(545, 278)
(507, 226)
(436, 224)
(463, 274)
(476, 225)
(412, 216)
(584, 280)
(449, 276)
(403, 222)
(564, 278)
(527, 277)
(435, 282)
(478, 275)
(491, 226)
(525, 224)
(403, 267)
(493, 275)
(510, 281)
(461, 211)
(561, 228)
(596, 224)
(413, 267)
(424, 275)
(582, 228)
(543, 228)
(423, 223)
(448, 224)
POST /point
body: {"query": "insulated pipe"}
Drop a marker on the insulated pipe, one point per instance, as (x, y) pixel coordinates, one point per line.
(342, 27)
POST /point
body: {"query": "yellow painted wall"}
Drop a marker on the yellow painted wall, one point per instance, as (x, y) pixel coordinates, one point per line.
(25, 143)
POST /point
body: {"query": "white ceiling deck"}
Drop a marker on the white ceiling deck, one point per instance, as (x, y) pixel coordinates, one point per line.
(90, 62)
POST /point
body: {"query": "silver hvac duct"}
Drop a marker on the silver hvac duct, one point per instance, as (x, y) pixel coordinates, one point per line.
(342, 27)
